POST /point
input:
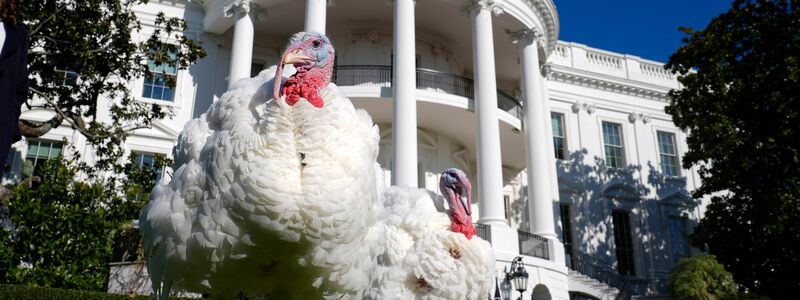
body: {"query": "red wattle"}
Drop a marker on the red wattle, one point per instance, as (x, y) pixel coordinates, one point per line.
(467, 229)
(304, 85)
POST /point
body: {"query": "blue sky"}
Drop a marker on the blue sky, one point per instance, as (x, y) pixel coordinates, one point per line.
(645, 28)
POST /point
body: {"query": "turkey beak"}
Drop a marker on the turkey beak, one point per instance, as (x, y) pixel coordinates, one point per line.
(466, 196)
(289, 57)
(296, 56)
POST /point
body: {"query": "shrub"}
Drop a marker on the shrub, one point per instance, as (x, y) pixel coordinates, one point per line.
(701, 277)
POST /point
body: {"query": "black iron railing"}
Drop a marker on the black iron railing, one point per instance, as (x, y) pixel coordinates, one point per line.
(484, 231)
(533, 245)
(381, 76)
(363, 75)
(604, 272)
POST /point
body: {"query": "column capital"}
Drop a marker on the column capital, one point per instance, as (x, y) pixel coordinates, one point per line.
(245, 7)
(578, 106)
(547, 70)
(645, 118)
(476, 5)
(525, 36)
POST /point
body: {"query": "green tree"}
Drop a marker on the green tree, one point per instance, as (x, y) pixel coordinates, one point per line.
(739, 104)
(701, 277)
(82, 58)
(60, 233)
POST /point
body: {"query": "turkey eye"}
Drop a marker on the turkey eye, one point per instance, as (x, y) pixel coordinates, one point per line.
(316, 44)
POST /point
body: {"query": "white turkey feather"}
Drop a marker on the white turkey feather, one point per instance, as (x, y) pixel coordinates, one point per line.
(269, 198)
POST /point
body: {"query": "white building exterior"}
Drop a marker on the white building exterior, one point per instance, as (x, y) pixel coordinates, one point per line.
(616, 194)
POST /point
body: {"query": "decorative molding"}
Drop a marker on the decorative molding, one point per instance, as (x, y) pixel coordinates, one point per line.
(622, 191)
(545, 11)
(547, 70)
(632, 117)
(677, 199)
(475, 5)
(236, 7)
(525, 36)
(607, 85)
(371, 35)
(245, 7)
(578, 106)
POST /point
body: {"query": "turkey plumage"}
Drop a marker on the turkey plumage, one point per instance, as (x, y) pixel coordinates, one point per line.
(276, 192)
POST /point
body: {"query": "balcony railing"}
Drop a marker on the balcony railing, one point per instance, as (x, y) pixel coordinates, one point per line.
(381, 76)
(533, 245)
(484, 231)
(605, 272)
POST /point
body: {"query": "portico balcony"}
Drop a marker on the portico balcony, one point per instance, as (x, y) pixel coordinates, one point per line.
(431, 80)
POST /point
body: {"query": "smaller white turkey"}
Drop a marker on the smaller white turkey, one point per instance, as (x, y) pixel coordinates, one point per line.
(428, 255)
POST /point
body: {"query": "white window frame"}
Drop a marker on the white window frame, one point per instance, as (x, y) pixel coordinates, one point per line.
(623, 141)
(39, 141)
(678, 150)
(565, 130)
(137, 86)
(151, 153)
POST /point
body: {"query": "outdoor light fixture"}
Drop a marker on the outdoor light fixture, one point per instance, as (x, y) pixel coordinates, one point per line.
(518, 275)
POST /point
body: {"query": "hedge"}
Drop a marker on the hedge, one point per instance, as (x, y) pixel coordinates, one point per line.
(21, 292)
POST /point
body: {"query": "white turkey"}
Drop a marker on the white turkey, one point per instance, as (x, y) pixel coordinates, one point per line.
(275, 193)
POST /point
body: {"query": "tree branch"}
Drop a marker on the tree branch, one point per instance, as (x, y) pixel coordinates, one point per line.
(50, 18)
(34, 129)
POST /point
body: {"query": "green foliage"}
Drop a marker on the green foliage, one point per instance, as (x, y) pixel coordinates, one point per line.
(61, 232)
(740, 105)
(20, 292)
(83, 55)
(701, 277)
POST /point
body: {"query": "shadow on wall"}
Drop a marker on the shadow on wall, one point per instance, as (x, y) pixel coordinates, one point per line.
(592, 191)
(519, 213)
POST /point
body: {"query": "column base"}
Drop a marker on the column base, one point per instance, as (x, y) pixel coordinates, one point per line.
(493, 222)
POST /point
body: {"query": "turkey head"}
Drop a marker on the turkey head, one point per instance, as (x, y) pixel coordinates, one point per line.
(312, 54)
(456, 188)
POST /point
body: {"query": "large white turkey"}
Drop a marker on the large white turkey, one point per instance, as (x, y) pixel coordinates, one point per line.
(275, 193)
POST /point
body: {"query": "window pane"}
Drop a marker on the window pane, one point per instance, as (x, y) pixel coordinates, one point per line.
(557, 120)
(667, 153)
(168, 94)
(559, 137)
(33, 149)
(566, 229)
(148, 91)
(677, 234)
(623, 242)
(55, 152)
(155, 86)
(612, 138)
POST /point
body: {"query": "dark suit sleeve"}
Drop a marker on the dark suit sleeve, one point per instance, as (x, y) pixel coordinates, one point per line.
(22, 77)
(22, 82)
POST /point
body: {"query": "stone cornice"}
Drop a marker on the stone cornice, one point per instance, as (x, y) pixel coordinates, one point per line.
(601, 82)
(244, 7)
(525, 36)
(546, 12)
(474, 5)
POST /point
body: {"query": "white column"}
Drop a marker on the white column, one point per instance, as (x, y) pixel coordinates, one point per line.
(315, 15)
(242, 48)
(490, 170)
(404, 87)
(538, 154)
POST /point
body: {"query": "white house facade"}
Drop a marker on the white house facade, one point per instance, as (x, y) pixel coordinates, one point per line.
(576, 166)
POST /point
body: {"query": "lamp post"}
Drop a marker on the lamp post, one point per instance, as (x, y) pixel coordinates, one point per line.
(518, 275)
